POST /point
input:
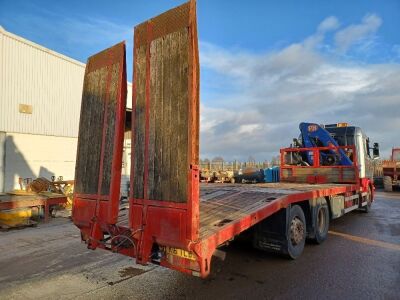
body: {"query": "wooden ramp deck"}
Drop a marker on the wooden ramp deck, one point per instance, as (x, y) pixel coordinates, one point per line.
(123, 215)
(221, 204)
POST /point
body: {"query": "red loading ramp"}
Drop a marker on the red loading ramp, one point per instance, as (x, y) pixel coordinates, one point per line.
(99, 153)
(165, 118)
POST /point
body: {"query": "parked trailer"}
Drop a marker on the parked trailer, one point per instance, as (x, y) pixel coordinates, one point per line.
(172, 219)
(391, 171)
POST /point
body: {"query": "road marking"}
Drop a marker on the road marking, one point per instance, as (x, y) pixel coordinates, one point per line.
(367, 241)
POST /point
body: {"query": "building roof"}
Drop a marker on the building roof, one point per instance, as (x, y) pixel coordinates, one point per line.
(41, 48)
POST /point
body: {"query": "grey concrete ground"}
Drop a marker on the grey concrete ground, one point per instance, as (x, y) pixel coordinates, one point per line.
(49, 262)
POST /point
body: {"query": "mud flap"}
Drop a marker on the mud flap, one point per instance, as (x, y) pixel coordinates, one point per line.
(270, 234)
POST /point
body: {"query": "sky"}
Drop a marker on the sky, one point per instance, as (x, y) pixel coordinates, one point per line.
(266, 66)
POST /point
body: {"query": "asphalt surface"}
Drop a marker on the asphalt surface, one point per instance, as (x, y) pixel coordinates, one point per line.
(360, 259)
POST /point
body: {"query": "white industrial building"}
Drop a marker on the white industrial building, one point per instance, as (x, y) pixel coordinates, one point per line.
(40, 100)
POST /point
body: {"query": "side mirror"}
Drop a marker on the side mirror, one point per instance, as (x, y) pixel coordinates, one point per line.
(375, 150)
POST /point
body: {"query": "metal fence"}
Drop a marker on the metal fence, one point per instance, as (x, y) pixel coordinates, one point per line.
(232, 166)
(378, 170)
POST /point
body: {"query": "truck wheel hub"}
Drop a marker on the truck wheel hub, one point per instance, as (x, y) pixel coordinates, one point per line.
(296, 231)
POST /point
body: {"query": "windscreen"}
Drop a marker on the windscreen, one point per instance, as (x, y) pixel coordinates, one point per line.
(344, 136)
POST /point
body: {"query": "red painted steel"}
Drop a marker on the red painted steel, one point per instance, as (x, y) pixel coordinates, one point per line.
(177, 222)
(95, 213)
(205, 248)
(155, 223)
(316, 165)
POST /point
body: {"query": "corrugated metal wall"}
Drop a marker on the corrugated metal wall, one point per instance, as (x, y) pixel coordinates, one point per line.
(42, 143)
(47, 82)
(2, 160)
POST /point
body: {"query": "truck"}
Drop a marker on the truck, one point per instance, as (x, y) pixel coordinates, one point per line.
(172, 219)
(391, 171)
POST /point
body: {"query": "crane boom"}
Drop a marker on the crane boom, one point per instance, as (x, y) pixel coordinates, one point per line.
(314, 135)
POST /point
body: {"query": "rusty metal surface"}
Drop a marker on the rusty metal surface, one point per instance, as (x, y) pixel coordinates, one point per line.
(39, 185)
(165, 126)
(223, 205)
(165, 105)
(280, 187)
(100, 139)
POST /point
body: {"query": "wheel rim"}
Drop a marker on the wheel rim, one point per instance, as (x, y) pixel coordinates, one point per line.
(321, 220)
(296, 231)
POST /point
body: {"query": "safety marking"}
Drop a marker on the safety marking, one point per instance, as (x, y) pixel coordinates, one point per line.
(367, 241)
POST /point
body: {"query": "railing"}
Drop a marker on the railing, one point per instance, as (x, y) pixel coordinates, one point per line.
(295, 169)
(232, 166)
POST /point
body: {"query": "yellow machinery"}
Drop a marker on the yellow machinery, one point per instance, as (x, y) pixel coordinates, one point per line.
(32, 193)
(16, 217)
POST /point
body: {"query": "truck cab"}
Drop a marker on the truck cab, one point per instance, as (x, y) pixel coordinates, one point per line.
(346, 135)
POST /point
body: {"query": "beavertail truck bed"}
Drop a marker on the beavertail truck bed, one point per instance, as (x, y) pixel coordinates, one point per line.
(171, 218)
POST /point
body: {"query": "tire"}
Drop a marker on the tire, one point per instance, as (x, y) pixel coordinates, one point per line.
(387, 184)
(321, 221)
(367, 207)
(296, 233)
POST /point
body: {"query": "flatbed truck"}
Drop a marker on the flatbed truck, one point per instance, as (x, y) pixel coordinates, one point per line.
(172, 219)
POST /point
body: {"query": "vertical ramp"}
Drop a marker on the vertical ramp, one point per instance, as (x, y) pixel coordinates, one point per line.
(100, 142)
(165, 116)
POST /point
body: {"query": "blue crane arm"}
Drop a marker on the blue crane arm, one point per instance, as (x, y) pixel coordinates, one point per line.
(312, 131)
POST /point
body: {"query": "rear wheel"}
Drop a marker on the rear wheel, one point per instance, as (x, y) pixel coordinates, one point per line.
(387, 184)
(296, 233)
(321, 221)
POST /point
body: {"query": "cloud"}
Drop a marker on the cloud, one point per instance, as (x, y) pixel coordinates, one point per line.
(352, 34)
(269, 94)
(330, 23)
(77, 36)
(90, 31)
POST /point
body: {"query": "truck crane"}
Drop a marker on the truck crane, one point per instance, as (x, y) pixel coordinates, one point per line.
(333, 136)
(314, 135)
